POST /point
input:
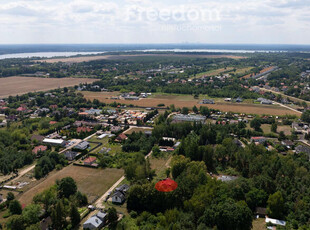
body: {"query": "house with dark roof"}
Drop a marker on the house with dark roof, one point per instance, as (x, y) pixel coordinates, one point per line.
(123, 188)
(70, 155)
(288, 144)
(302, 149)
(259, 140)
(82, 145)
(118, 198)
(96, 221)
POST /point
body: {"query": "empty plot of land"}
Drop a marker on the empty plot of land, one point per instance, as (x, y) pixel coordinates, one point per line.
(12, 86)
(180, 102)
(117, 57)
(262, 71)
(137, 129)
(92, 182)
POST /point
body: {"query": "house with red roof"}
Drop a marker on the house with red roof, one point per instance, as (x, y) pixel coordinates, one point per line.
(83, 129)
(90, 160)
(121, 137)
(40, 148)
(53, 122)
(53, 106)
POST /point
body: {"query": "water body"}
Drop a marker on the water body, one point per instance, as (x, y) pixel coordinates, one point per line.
(66, 50)
(46, 54)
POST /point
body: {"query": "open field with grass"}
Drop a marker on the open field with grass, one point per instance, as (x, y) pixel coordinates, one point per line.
(123, 56)
(12, 86)
(189, 101)
(115, 148)
(92, 182)
(262, 71)
(137, 129)
(259, 224)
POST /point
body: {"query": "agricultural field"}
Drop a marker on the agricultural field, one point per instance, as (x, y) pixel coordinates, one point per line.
(12, 86)
(92, 182)
(189, 101)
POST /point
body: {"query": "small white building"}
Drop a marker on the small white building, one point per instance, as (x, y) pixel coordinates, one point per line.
(59, 142)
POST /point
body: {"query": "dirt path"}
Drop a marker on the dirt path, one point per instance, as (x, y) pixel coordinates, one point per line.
(285, 106)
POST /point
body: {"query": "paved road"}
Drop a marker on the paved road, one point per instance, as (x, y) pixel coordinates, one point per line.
(285, 106)
(286, 96)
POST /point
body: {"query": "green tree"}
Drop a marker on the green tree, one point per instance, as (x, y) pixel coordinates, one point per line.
(275, 207)
(281, 136)
(112, 217)
(155, 151)
(274, 127)
(195, 109)
(31, 213)
(306, 116)
(15, 222)
(255, 124)
(15, 207)
(10, 196)
(59, 216)
(74, 215)
(185, 110)
(66, 187)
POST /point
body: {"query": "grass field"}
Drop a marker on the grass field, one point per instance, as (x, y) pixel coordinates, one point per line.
(259, 224)
(117, 57)
(12, 86)
(92, 182)
(137, 129)
(262, 71)
(189, 101)
(115, 148)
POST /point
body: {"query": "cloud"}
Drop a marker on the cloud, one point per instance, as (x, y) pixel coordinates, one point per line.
(143, 20)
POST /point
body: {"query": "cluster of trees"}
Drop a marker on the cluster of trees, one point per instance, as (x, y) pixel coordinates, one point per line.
(14, 150)
(48, 162)
(264, 179)
(60, 202)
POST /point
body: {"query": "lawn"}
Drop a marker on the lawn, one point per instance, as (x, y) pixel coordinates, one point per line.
(92, 182)
(160, 165)
(259, 224)
(115, 148)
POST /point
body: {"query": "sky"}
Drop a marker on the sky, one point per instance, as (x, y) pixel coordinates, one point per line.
(154, 21)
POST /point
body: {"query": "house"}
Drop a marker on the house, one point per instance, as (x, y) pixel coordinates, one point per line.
(93, 111)
(261, 212)
(71, 155)
(118, 198)
(82, 145)
(56, 142)
(227, 99)
(121, 137)
(96, 221)
(207, 101)
(83, 129)
(90, 160)
(287, 143)
(259, 140)
(123, 188)
(190, 118)
(38, 149)
(302, 149)
(115, 129)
